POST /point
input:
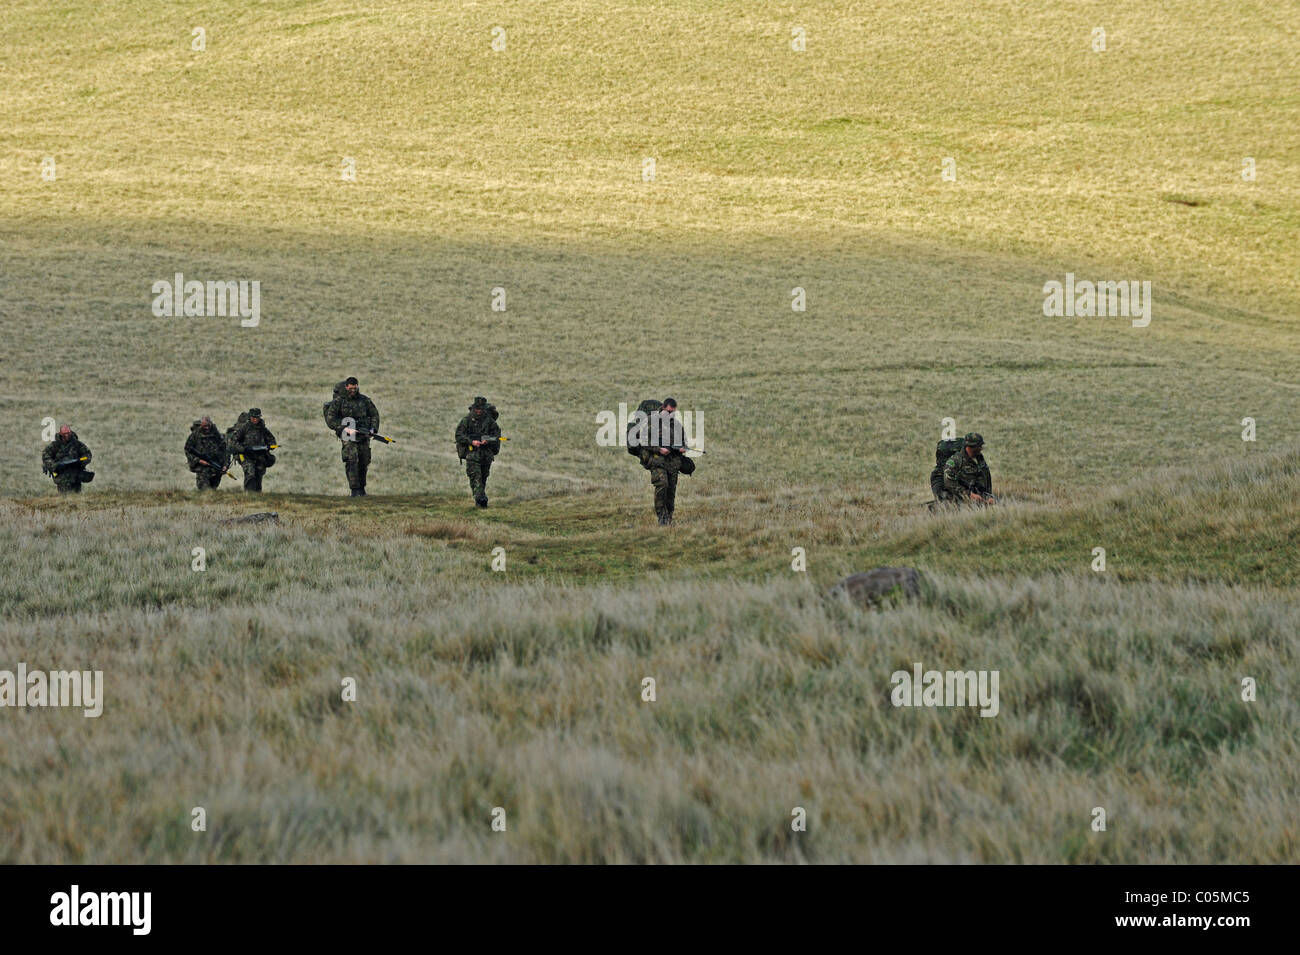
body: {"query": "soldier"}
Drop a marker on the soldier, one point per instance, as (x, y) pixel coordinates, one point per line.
(966, 478)
(65, 459)
(353, 417)
(662, 447)
(478, 441)
(252, 441)
(207, 454)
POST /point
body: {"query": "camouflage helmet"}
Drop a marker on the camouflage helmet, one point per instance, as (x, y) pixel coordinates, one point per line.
(255, 412)
(480, 404)
(974, 440)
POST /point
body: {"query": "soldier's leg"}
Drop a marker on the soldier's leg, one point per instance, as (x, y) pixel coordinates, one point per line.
(350, 464)
(252, 477)
(659, 478)
(486, 470)
(363, 463)
(671, 502)
(473, 473)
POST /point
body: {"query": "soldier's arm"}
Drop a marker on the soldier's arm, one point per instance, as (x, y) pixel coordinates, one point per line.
(270, 439)
(47, 457)
(462, 431)
(374, 415)
(85, 453)
(950, 482)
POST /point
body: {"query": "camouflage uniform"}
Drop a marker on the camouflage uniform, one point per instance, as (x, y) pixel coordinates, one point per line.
(964, 473)
(210, 446)
(356, 447)
(68, 478)
(662, 431)
(479, 425)
(248, 436)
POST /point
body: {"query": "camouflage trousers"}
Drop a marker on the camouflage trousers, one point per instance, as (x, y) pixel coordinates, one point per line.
(69, 483)
(356, 461)
(478, 465)
(207, 479)
(253, 471)
(663, 475)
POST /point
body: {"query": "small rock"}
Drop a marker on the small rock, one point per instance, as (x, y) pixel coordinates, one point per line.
(871, 586)
(265, 517)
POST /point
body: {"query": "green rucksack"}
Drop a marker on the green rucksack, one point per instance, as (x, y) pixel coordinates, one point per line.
(230, 432)
(942, 452)
(647, 408)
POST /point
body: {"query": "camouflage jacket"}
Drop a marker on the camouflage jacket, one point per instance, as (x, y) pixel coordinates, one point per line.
(249, 435)
(208, 445)
(963, 474)
(483, 428)
(357, 407)
(60, 450)
(660, 431)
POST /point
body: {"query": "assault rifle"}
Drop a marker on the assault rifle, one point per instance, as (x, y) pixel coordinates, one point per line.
(209, 464)
(256, 447)
(369, 434)
(67, 463)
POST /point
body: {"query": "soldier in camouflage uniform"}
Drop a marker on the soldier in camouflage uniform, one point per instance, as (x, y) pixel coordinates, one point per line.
(68, 475)
(354, 418)
(207, 454)
(252, 441)
(966, 478)
(662, 445)
(478, 441)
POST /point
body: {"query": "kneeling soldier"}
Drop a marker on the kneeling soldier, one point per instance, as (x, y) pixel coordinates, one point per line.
(966, 478)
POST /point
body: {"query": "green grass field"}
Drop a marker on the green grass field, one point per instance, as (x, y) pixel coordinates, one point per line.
(522, 169)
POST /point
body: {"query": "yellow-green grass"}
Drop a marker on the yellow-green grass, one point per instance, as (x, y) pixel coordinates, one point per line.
(774, 169)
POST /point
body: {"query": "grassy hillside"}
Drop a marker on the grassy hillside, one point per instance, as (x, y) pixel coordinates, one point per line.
(774, 170)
